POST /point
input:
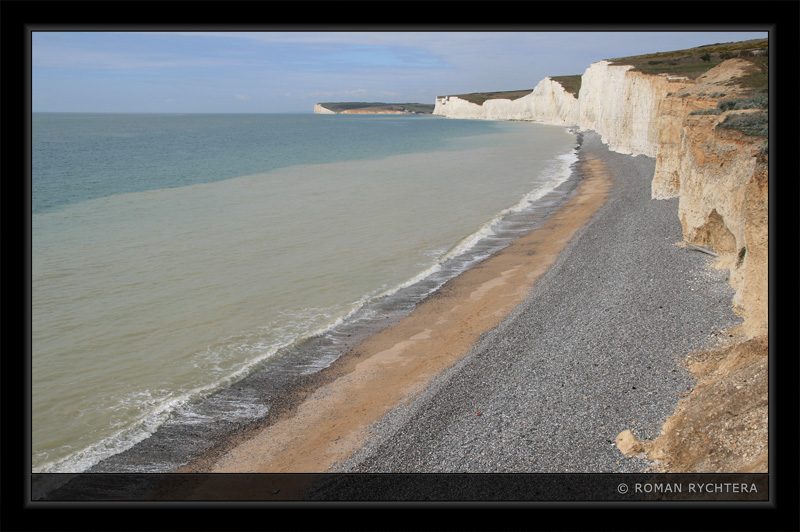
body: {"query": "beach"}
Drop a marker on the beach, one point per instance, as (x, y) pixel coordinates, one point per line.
(532, 361)
(217, 294)
(595, 349)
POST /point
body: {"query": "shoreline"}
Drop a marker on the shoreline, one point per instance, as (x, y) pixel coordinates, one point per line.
(598, 347)
(511, 347)
(397, 363)
(275, 385)
(518, 364)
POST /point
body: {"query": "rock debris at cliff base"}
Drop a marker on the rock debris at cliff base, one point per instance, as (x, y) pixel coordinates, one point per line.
(594, 350)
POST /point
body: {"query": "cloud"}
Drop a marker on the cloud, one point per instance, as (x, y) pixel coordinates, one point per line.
(83, 69)
(76, 57)
(354, 92)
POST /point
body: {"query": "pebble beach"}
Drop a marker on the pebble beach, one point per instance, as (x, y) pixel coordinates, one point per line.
(573, 334)
(596, 348)
(532, 362)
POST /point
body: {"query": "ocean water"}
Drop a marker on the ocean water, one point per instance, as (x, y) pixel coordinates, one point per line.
(175, 256)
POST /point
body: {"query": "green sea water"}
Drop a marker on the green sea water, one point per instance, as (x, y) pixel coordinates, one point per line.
(172, 255)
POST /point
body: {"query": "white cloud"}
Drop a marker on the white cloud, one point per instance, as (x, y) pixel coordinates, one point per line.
(355, 92)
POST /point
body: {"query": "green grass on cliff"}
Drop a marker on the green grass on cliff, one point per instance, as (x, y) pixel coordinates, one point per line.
(690, 63)
(694, 62)
(480, 97)
(754, 124)
(571, 84)
(420, 108)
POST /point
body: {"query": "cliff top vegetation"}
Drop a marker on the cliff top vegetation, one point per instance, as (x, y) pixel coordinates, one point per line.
(690, 63)
(480, 97)
(420, 108)
(694, 62)
(571, 84)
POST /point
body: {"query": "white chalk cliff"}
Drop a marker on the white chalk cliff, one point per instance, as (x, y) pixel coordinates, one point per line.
(320, 110)
(548, 103)
(720, 182)
(623, 106)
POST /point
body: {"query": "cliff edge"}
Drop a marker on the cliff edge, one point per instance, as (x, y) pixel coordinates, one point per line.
(702, 114)
(372, 108)
(549, 102)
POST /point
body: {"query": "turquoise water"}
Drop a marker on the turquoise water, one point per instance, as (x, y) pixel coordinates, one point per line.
(172, 255)
(77, 157)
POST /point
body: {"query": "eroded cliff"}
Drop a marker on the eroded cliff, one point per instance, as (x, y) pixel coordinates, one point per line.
(548, 103)
(320, 109)
(372, 108)
(624, 106)
(720, 176)
(716, 173)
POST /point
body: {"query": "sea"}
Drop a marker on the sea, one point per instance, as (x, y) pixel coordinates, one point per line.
(186, 267)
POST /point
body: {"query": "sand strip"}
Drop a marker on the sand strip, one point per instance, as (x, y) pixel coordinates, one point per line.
(532, 361)
(393, 365)
(595, 349)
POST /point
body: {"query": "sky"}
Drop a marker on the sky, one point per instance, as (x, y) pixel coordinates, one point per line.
(288, 72)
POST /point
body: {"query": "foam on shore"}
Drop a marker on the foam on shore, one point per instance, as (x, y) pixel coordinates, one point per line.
(531, 361)
(393, 365)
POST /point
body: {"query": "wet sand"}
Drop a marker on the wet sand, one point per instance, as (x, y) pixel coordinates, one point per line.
(533, 361)
(392, 366)
(597, 347)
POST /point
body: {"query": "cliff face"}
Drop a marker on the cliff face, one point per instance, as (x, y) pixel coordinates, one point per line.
(720, 177)
(368, 112)
(455, 107)
(320, 110)
(624, 107)
(548, 103)
(721, 184)
(373, 108)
